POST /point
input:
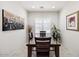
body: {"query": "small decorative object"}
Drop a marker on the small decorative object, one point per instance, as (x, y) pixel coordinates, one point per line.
(72, 21)
(11, 22)
(30, 34)
(56, 34)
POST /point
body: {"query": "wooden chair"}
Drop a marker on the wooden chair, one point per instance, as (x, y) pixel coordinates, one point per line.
(42, 46)
(42, 33)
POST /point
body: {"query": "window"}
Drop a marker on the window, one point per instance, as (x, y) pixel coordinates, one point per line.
(42, 25)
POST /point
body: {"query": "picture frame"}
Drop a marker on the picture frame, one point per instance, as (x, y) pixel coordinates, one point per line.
(72, 21)
(11, 21)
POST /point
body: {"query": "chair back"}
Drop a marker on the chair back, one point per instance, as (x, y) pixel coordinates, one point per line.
(42, 39)
(43, 43)
(42, 33)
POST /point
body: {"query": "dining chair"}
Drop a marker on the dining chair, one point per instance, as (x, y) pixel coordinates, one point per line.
(42, 33)
(42, 46)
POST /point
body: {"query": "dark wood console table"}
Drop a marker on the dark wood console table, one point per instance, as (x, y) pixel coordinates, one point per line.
(30, 46)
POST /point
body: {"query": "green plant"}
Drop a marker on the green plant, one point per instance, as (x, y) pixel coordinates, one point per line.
(56, 34)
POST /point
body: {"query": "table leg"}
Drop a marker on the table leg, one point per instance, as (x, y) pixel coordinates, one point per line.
(57, 51)
(29, 51)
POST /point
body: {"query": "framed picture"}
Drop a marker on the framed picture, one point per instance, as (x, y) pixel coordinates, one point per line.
(11, 21)
(72, 21)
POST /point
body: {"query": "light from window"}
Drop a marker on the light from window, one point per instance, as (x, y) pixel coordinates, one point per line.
(42, 25)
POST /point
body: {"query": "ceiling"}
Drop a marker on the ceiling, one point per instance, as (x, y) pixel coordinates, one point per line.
(43, 5)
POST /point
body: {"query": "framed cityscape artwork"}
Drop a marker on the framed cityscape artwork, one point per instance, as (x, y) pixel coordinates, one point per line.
(72, 21)
(11, 21)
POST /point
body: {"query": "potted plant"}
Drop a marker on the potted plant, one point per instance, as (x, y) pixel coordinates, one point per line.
(56, 34)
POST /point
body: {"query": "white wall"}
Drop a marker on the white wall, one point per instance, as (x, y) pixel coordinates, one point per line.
(53, 16)
(12, 43)
(70, 38)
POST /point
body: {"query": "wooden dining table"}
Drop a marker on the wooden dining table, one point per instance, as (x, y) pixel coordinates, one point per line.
(31, 46)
